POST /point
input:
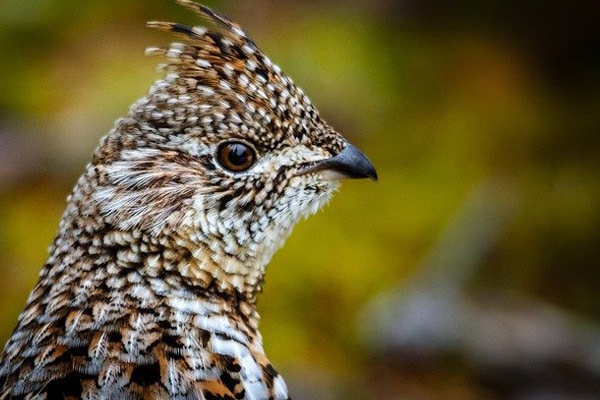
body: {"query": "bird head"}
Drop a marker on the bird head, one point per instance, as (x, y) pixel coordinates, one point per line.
(222, 157)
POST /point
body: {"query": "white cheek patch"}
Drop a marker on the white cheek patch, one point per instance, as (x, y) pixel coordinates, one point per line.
(146, 199)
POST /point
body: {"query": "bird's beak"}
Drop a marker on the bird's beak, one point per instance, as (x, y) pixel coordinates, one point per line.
(349, 163)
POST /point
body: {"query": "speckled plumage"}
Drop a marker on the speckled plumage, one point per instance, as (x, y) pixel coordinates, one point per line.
(149, 291)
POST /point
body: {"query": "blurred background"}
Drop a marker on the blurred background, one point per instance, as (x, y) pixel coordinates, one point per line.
(469, 271)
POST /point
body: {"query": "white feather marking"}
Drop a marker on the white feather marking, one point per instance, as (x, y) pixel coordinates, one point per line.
(203, 63)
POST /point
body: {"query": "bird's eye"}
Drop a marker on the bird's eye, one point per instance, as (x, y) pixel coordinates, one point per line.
(236, 156)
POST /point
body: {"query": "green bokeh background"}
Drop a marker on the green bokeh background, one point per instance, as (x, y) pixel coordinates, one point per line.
(442, 97)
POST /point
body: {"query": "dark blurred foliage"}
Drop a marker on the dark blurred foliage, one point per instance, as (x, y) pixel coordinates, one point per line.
(469, 271)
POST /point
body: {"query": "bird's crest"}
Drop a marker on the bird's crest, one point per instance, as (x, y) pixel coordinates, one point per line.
(214, 55)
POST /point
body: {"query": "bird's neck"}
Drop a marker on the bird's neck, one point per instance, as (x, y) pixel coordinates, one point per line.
(122, 271)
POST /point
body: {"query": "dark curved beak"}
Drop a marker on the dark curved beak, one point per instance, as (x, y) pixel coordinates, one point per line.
(349, 163)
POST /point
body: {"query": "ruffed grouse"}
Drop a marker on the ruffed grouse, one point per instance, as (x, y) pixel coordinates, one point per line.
(150, 288)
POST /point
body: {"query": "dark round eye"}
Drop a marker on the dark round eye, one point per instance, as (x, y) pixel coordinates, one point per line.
(236, 156)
